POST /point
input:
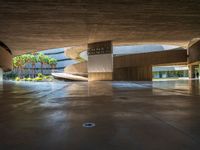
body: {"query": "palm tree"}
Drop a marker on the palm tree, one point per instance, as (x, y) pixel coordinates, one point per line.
(52, 63)
(15, 65)
(18, 62)
(46, 60)
(23, 60)
(42, 60)
(27, 59)
(33, 61)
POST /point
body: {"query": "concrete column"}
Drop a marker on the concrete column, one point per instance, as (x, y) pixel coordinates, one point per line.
(5, 58)
(1, 74)
(191, 71)
(1, 79)
(100, 61)
(199, 70)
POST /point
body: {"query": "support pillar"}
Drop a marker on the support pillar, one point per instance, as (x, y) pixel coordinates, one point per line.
(100, 61)
(191, 71)
(199, 70)
(1, 75)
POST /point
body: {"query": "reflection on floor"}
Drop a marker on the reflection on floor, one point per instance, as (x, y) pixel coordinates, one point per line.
(128, 115)
(68, 76)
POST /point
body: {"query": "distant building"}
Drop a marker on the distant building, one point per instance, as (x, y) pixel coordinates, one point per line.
(170, 71)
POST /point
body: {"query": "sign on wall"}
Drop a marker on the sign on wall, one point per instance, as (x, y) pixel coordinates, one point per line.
(100, 57)
(100, 48)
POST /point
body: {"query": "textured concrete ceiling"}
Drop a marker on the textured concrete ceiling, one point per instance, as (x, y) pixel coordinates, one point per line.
(43, 24)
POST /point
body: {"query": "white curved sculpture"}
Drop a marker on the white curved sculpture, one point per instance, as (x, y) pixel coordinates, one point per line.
(70, 76)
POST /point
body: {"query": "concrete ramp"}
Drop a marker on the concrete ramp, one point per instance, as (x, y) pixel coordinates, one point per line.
(69, 76)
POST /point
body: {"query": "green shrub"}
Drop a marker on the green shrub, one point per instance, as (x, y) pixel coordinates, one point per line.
(17, 79)
(29, 79)
(38, 79)
(10, 75)
(40, 75)
(47, 77)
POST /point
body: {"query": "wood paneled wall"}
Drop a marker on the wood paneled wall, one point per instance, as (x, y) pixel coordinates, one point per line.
(138, 67)
(194, 52)
(151, 58)
(133, 74)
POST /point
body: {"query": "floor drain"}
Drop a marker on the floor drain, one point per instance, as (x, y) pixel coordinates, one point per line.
(89, 125)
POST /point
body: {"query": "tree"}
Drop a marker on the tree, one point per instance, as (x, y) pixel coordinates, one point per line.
(19, 62)
(42, 60)
(33, 61)
(46, 60)
(27, 60)
(52, 63)
(15, 65)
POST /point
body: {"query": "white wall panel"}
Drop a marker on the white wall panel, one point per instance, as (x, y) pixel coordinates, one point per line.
(100, 63)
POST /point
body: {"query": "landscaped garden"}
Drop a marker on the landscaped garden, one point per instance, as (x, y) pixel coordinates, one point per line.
(21, 72)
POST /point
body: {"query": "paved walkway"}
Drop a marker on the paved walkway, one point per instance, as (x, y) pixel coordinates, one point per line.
(156, 115)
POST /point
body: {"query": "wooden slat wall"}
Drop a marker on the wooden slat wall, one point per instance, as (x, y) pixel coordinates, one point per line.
(133, 74)
(152, 58)
(194, 52)
(138, 67)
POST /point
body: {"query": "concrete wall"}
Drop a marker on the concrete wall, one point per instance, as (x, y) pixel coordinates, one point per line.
(152, 58)
(5, 60)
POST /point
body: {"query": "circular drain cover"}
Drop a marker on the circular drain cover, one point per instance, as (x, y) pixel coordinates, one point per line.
(89, 125)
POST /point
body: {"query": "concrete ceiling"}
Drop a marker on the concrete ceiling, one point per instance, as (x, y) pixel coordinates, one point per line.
(43, 24)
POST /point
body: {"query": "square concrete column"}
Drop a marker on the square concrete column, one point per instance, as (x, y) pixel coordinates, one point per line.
(100, 61)
(199, 70)
(1, 74)
(191, 71)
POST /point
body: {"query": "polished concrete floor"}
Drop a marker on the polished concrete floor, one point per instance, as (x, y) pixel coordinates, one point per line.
(159, 115)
